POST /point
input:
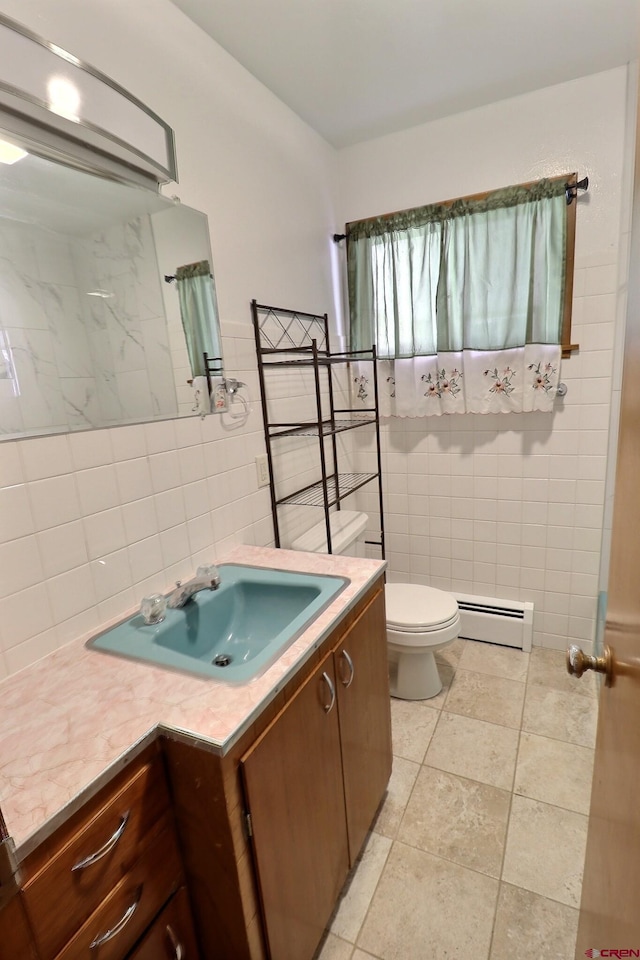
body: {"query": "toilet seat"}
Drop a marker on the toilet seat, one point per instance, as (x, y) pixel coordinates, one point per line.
(415, 608)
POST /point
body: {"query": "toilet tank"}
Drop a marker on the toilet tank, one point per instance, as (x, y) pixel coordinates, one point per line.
(347, 527)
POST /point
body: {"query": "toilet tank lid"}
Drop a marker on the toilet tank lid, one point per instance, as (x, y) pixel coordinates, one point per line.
(346, 527)
(413, 605)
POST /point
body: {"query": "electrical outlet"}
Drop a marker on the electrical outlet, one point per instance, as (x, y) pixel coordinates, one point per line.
(262, 470)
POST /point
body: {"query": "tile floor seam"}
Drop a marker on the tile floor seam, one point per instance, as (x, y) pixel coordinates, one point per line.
(569, 693)
(547, 803)
(371, 899)
(495, 912)
(475, 673)
(499, 726)
(464, 776)
(572, 743)
(506, 837)
(455, 863)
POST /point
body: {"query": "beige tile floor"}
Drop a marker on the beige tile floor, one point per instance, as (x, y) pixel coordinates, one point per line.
(478, 849)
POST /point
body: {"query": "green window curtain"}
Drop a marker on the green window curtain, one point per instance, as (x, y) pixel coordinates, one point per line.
(199, 312)
(485, 274)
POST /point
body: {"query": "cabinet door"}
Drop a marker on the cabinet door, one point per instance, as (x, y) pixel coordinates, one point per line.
(171, 937)
(293, 783)
(364, 710)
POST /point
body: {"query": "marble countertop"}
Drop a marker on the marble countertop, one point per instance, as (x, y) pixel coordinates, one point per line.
(69, 720)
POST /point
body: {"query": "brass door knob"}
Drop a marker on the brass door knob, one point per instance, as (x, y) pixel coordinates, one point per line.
(578, 662)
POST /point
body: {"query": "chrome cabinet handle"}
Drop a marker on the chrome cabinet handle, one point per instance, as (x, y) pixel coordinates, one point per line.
(105, 848)
(120, 925)
(332, 690)
(176, 946)
(347, 683)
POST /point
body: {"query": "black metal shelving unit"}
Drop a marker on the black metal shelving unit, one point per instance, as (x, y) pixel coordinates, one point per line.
(293, 338)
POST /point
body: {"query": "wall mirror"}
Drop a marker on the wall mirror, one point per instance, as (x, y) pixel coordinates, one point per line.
(91, 334)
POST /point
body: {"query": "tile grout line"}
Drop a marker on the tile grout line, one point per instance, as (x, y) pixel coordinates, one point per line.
(394, 839)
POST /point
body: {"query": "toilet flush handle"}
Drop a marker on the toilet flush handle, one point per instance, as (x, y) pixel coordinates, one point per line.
(349, 680)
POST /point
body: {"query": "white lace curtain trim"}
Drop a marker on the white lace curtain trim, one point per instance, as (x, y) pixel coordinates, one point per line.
(519, 380)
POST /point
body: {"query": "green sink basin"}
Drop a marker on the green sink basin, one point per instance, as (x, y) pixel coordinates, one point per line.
(233, 633)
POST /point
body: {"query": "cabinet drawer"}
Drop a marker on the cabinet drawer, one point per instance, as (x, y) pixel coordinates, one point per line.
(171, 937)
(111, 931)
(80, 874)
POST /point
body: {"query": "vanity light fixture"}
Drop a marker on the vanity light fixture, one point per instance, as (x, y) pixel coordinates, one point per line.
(64, 98)
(10, 153)
(52, 99)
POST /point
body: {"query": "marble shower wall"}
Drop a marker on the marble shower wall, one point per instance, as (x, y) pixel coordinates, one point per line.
(70, 359)
(127, 329)
(46, 381)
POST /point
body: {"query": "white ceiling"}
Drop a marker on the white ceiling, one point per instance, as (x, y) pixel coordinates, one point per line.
(356, 69)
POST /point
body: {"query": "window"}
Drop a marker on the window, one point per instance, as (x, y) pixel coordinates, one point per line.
(488, 272)
(468, 301)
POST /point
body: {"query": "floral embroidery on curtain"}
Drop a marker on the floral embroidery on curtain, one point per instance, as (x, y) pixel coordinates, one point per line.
(464, 302)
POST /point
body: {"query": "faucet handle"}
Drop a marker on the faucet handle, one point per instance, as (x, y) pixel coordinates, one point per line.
(209, 571)
(153, 608)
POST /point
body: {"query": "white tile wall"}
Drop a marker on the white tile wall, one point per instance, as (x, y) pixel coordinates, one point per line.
(90, 522)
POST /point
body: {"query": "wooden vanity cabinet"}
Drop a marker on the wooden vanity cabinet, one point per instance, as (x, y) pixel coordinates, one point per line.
(262, 838)
(314, 778)
(16, 941)
(314, 781)
(294, 787)
(362, 684)
(93, 887)
(171, 937)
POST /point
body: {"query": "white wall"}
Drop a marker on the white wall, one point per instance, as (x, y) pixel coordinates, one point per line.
(90, 522)
(511, 506)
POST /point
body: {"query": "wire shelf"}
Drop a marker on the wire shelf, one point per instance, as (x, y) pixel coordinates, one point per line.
(313, 495)
(304, 360)
(295, 338)
(324, 429)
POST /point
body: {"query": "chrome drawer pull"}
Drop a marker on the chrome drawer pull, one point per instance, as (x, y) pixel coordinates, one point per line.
(178, 952)
(120, 925)
(332, 690)
(347, 683)
(105, 849)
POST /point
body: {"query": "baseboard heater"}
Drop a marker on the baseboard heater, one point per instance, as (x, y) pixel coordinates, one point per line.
(505, 622)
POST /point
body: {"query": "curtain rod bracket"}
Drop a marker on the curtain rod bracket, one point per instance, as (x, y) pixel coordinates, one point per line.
(168, 279)
(571, 191)
(337, 237)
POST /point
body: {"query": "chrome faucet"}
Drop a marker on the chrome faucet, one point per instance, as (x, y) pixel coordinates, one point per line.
(207, 578)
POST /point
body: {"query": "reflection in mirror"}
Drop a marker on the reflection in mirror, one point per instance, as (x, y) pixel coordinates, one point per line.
(197, 297)
(90, 334)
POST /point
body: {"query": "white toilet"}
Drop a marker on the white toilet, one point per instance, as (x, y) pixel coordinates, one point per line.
(420, 620)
